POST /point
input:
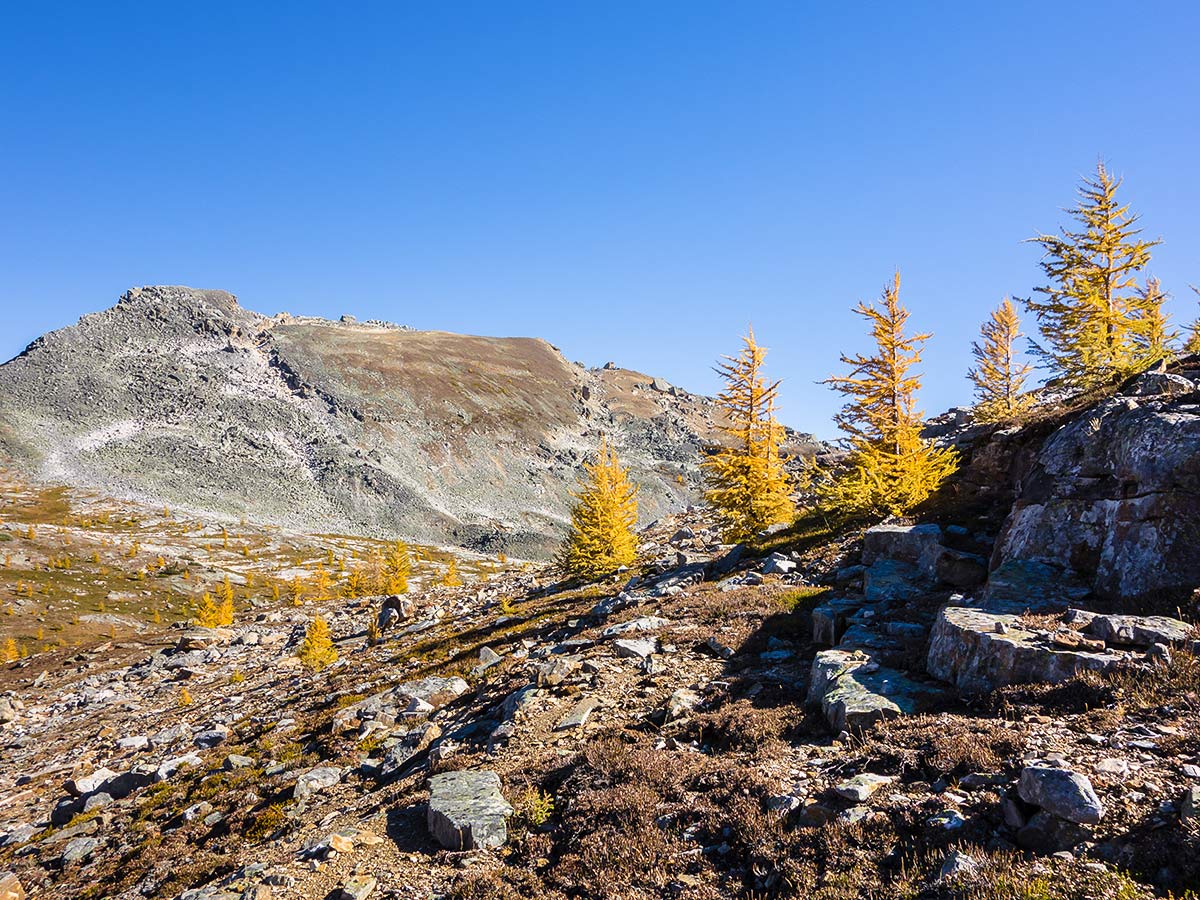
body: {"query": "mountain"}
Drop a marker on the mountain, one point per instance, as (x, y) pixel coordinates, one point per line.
(184, 397)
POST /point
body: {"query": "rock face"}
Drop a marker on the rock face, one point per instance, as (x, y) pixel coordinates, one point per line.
(183, 397)
(467, 810)
(979, 651)
(1114, 495)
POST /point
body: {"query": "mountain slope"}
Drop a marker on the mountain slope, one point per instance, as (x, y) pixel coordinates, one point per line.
(184, 397)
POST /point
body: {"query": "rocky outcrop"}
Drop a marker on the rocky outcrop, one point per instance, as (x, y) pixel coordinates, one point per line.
(854, 691)
(1114, 495)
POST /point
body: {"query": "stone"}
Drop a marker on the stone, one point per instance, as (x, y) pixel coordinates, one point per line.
(968, 650)
(956, 865)
(1062, 793)
(358, 887)
(892, 580)
(829, 620)
(89, 784)
(778, 564)
(467, 811)
(79, 848)
(578, 714)
(1189, 805)
(407, 748)
(642, 623)
(860, 787)
(1156, 384)
(213, 737)
(1017, 585)
(315, 781)
(136, 742)
(170, 766)
(919, 545)
(1139, 631)
(487, 658)
(854, 691)
(10, 887)
(1045, 833)
(681, 702)
(235, 761)
(197, 638)
(1114, 495)
(960, 569)
(635, 648)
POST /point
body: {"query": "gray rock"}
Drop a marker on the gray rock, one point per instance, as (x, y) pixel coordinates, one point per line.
(861, 787)
(681, 702)
(578, 715)
(1189, 805)
(642, 623)
(956, 865)
(778, 564)
(89, 784)
(315, 781)
(854, 691)
(1062, 793)
(1156, 384)
(234, 761)
(467, 811)
(1139, 631)
(1045, 833)
(635, 648)
(829, 620)
(980, 651)
(892, 580)
(79, 848)
(358, 887)
(918, 545)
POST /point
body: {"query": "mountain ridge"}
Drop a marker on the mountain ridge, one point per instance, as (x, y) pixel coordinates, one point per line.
(185, 397)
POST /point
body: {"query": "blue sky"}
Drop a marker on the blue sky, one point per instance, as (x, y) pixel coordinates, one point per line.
(632, 181)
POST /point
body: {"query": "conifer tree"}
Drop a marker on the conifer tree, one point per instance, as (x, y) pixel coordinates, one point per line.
(998, 377)
(1089, 314)
(451, 578)
(1152, 335)
(11, 653)
(891, 469)
(398, 566)
(208, 616)
(225, 610)
(747, 484)
(317, 651)
(185, 697)
(601, 539)
(1192, 345)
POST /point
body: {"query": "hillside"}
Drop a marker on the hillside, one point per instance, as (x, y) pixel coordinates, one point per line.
(183, 397)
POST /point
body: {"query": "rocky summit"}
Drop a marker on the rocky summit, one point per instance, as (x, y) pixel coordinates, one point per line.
(184, 397)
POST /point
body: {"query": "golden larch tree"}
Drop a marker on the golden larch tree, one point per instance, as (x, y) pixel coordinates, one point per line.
(1089, 314)
(999, 377)
(225, 610)
(747, 484)
(397, 566)
(890, 469)
(451, 578)
(1153, 337)
(317, 651)
(601, 539)
(1192, 343)
(208, 616)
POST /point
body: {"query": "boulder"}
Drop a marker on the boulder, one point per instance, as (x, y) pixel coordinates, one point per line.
(467, 811)
(315, 781)
(198, 638)
(1020, 585)
(854, 691)
(919, 545)
(1139, 631)
(1114, 495)
(893, 580)
(979, 651)
(829, 620)
(1062, 793)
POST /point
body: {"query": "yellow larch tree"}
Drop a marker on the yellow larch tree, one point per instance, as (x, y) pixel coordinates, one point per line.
(1153, 337)
(999, 377)
(601, 539)
(11, 653)
(1089, 314)
(225, 610)
(208, 616)
(451, 577)
(747, 484)
(397, 568)
(890, 469)
(317, 651)
(1192, 343)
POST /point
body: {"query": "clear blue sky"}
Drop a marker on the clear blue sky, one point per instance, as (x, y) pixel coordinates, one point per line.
(631, 181)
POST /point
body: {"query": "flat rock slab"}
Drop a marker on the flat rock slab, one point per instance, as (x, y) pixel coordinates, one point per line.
(635, 648)
(467, 810)
(919, 545)
(860, 787)
(578, 714)
(854, 691)
(1138, 631)
(980, 651)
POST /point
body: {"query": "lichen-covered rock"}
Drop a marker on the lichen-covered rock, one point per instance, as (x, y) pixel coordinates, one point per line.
(467, 810)
(920, 545)
(1114, 495)
(854, 691)
(1139, 631)
(979, 651)
(314, 781)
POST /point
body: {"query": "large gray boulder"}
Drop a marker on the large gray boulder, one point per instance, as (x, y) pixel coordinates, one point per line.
(1062, 793)
(854, 691)
(920, 545)
(979, 651)
(467, 810)
(1114, 495)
